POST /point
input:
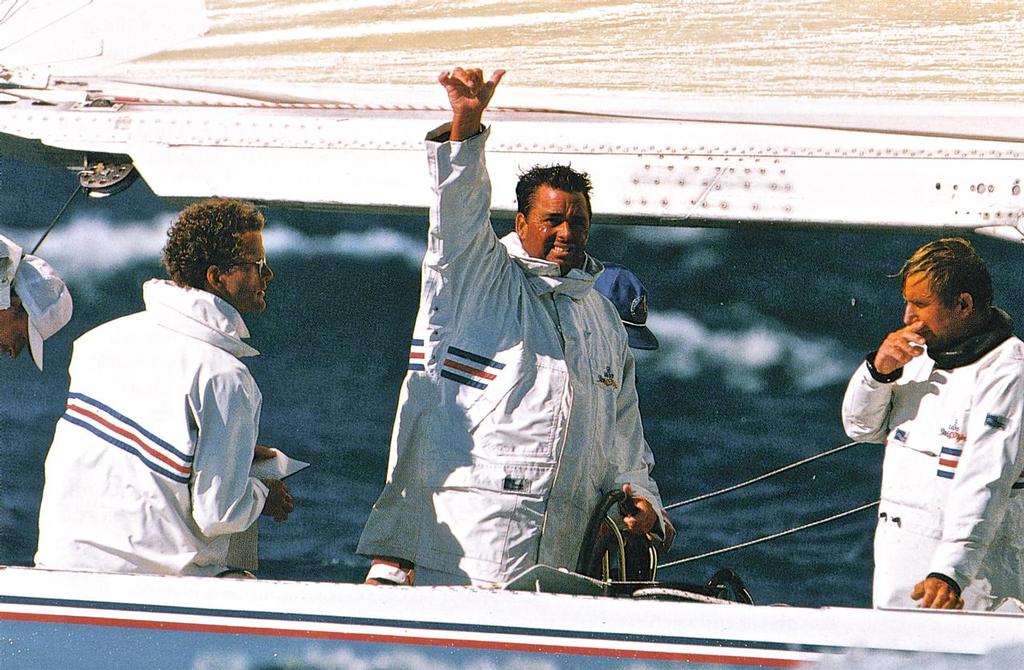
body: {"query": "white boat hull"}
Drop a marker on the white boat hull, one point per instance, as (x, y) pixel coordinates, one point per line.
(75, 618)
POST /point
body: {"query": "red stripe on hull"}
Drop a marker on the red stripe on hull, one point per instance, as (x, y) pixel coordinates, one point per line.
(682, 657)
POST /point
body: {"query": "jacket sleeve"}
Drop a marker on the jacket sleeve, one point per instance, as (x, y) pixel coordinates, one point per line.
(225, 499)
(460, 214)
(866, 407)
(991, 462)
(633, 450)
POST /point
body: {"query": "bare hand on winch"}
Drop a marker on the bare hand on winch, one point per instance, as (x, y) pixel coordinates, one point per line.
(638, 513)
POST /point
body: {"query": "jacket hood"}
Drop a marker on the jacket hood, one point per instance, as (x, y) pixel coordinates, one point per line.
(546, 276)
(197, 314)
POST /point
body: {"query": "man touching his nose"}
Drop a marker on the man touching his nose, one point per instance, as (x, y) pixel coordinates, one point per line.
(945, 393)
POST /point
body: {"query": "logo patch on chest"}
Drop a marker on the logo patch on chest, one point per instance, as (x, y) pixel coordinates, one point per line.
(949, 457)
(995, 421)
(608, 378)
(953, 433)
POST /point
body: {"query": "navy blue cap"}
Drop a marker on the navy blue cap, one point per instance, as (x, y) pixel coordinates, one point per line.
(629, 296)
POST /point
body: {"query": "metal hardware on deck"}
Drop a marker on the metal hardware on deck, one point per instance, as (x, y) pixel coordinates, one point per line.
(102, 180)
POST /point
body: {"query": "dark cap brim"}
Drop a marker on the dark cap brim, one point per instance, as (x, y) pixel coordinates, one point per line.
(641, 337)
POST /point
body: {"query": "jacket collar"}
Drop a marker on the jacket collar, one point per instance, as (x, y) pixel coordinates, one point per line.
(198, 314)
(545, 276)
(997, 330)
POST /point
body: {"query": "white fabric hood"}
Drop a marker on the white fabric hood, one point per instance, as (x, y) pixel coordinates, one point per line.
(198, 314)
(546, 276)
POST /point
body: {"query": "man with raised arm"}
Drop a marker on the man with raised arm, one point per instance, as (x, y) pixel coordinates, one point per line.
(946, 395)
(519, 410)
(149, 467)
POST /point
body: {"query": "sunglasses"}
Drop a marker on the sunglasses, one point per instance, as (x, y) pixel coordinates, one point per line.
(261, 265)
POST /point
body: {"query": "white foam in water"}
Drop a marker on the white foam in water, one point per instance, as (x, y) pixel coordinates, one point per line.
(863, 659)
(370, 244)
(397, 659)
(89, 247)
(669, 236)
(350, 659)
(747, 356)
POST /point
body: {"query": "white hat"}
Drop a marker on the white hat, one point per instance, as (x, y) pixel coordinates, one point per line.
(46, 300)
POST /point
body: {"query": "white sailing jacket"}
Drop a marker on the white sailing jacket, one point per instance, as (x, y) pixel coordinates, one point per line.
(519, 409)
(149, 467)
(952, 474)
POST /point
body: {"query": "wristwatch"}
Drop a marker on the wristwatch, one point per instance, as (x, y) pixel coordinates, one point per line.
(878, 376)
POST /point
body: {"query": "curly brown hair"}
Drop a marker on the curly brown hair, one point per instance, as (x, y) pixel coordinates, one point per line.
(206, 233)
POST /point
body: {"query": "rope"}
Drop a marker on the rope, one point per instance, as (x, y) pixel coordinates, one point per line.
(56, 219)
(764, 476)
(767, 537)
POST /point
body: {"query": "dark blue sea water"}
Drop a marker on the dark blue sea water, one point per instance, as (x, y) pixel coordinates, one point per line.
(760, 330)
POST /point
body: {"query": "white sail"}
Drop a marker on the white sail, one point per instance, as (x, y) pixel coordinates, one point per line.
(305, 102)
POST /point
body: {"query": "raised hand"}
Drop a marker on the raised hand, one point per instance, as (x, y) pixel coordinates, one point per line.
(899, 347)
(469, 96)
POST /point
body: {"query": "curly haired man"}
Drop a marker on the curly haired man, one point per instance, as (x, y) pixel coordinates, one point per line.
(149, 467)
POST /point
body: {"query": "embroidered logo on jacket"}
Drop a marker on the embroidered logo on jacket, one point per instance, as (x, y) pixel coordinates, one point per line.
(468, 368)
(608, 378)
(120, 431)
(953, 433)
(416, 356)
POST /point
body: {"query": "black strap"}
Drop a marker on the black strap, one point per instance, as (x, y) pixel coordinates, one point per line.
(949, 580)
(878, 376)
